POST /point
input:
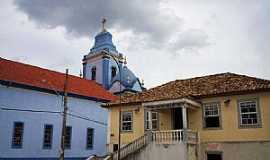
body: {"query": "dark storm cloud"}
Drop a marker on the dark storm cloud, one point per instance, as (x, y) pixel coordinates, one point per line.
(82, 17)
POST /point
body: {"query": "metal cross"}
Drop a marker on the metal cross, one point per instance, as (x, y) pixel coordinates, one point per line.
(103, 23)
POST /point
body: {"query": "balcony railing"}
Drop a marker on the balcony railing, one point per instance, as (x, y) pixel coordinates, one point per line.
(159, 137)
(168, 136)
(132, 147)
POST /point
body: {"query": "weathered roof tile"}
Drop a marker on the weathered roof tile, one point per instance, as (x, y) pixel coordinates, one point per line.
(211, 85)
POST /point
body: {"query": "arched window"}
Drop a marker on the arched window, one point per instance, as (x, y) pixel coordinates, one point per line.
(113, 73)
(93, 73)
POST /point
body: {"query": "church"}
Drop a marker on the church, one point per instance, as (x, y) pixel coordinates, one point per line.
(108, 67)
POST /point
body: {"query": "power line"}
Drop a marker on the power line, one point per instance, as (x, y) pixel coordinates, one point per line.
(53, 112)
(29, 110)
(86, 118)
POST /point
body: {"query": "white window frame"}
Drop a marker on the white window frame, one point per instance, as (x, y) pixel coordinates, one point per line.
(130, 121)
(211, 108)
(149, 120)
(257, 112)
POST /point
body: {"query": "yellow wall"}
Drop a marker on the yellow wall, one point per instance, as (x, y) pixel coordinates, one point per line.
(138, 123)
(165, 119)
(229, 120)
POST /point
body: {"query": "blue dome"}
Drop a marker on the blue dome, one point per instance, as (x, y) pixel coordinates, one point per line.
(128, 79)
(103, 41)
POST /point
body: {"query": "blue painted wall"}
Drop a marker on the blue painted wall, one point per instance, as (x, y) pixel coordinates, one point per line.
(34, 124)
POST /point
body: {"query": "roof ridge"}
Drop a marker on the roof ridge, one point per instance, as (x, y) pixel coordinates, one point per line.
(253, 77)
(186, 79)
(209, 75)
(205, 76)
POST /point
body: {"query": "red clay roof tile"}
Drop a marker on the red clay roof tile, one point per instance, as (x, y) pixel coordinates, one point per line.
(43, 78)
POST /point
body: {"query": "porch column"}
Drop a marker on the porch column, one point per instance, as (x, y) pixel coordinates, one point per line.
(184, 116)
(150, 119)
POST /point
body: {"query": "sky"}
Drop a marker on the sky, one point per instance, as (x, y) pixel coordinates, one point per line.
(163, 40)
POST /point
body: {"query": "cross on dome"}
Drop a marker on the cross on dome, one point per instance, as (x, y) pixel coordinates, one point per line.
(103, 24)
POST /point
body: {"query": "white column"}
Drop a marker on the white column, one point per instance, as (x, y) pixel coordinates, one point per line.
(184, 116)
(150, 119)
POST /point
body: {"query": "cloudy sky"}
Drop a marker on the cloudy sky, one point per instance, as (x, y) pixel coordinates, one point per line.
(163, 39)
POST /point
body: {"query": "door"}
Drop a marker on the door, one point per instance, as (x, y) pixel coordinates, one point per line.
(177, 118)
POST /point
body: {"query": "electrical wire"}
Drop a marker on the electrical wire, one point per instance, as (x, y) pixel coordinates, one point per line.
(54, 112)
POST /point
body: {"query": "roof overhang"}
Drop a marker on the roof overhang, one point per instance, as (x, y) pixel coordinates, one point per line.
(175, 103)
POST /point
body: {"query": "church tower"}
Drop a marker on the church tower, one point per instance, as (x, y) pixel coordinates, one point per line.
(104, 63)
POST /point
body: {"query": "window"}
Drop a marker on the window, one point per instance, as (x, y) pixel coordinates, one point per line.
(211, 115)
(93, 72)
(68, 137)
(113, 72)
(17, 139)
(214, 155)
(48, 135)
(151, 120)
(249, 114)
(126, 121)
(89, 138)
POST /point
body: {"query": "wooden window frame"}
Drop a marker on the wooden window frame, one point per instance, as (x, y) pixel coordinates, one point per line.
(258, 114)
(219, 116)
(13, 145)
(70, 139)
(51, 137)
(92, 138)
(131, 121)
(148, 121)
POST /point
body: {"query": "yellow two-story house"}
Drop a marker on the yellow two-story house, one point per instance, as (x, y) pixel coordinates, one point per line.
(217, 117)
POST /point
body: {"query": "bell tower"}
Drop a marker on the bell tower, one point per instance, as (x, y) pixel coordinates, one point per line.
(103, 64)
(98, 64)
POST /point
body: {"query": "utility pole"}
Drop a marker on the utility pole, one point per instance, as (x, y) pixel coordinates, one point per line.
(62, 150)
(120, 118)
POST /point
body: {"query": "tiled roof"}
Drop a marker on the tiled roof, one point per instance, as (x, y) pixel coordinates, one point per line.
(24, 74)
(198, 87)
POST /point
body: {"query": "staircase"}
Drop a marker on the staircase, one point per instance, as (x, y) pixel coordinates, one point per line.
(158, 137)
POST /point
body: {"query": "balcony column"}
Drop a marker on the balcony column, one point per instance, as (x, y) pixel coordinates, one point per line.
(184, 116)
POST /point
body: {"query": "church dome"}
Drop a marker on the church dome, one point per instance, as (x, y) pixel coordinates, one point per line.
(128, 79)
(103, 41)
